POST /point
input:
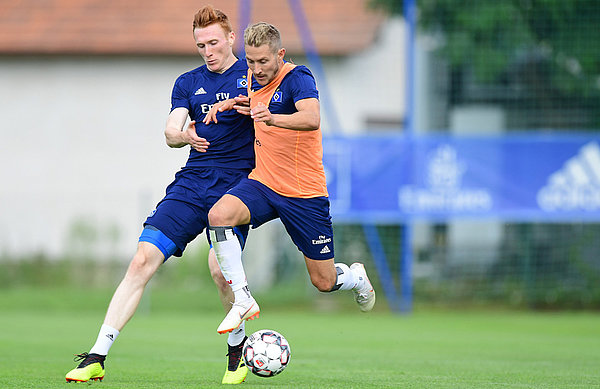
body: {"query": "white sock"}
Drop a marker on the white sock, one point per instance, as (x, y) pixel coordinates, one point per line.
(236, 336)
(229, 256)
(346, 278)
(106, 337)
(242, 294)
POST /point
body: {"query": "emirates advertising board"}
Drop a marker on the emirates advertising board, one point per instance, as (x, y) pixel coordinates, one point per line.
(516, 177)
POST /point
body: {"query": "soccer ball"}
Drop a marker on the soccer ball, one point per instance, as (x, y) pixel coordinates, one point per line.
(266, 353)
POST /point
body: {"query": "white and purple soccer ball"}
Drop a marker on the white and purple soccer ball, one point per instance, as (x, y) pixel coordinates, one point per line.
(266, 353)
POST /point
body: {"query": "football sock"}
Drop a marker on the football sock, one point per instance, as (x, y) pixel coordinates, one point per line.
(237, 336)
(106, 337)
(346, 278)
(242, 294)
(229, 256)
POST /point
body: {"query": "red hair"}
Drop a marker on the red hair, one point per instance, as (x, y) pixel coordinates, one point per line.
(208, 15)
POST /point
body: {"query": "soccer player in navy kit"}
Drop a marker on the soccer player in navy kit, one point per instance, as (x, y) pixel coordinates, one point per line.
(209, 172)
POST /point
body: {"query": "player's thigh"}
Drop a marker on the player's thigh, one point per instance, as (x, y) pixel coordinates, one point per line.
(308, 223)
(229, 211)
(179, 221)
(183, 213)
(259, 201)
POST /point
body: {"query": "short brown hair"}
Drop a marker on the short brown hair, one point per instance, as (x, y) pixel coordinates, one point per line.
(263, 33)
(208, 15)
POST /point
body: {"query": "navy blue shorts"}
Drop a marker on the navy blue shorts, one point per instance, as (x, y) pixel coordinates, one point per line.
(182, 214)
(307, 221)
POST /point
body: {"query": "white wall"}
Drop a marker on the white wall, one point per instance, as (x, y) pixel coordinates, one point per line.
(478, 119)
(82, 138)
(369, 83)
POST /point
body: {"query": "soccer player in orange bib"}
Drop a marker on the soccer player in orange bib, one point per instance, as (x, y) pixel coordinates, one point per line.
(288, 181)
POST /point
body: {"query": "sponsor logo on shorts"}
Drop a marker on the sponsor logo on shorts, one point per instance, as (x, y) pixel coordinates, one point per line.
(322, 240)
(325, 250)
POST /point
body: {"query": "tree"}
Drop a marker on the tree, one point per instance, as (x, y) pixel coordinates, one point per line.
(492, 37)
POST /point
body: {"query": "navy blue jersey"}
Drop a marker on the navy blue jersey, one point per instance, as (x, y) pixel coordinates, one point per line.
(231, 139)
(298, 84)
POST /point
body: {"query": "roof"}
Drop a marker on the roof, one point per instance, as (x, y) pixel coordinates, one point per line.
(140, 27)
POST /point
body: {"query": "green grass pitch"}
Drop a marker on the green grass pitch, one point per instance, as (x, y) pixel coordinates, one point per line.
(172, 348)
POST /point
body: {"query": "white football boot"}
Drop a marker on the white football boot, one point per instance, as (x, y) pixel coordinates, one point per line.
(244, 310)
(363, 293)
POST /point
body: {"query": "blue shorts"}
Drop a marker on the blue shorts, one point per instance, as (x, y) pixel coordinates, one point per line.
(182, 214)
(307, 221)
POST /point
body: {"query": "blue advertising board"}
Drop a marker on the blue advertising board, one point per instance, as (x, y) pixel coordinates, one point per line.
(389, 179)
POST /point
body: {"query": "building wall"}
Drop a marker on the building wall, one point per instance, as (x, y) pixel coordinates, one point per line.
(370, 86)
(82, 145)
(82, 140)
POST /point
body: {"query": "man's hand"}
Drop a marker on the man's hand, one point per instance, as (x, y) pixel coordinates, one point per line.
(242, 104)
(261, 113)
(190, 137)
(221, 106)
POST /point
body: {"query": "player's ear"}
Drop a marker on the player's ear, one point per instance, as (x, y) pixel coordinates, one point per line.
(281, 54)
(231, 38)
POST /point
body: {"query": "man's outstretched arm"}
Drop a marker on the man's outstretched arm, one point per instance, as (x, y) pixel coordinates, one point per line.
(307, 118)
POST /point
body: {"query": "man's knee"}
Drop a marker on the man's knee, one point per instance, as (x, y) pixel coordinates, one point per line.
(138, 265)
(228, 211)
(217, 216)
(144, 263)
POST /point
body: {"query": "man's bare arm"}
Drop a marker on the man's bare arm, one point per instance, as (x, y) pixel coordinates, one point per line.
(176, 136)
(308, 117)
